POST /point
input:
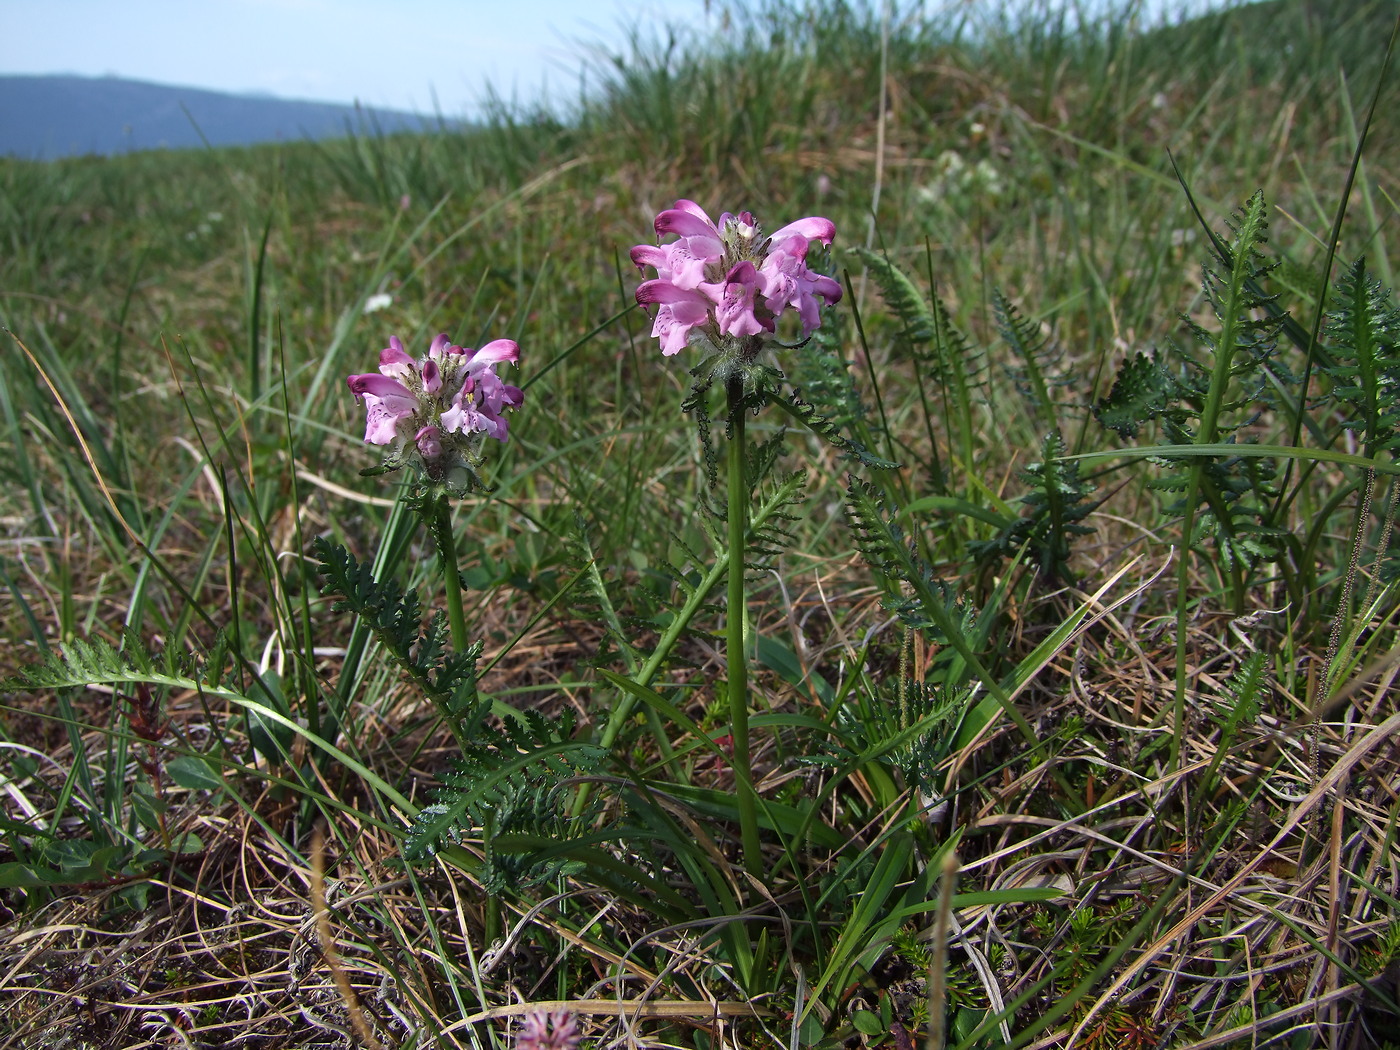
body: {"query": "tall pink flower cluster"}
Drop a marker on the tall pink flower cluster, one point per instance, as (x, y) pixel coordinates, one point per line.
(441, 406)
(541, 1030)
(728, 279)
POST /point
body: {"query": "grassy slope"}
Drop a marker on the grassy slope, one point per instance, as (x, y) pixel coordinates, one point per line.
(172, 299)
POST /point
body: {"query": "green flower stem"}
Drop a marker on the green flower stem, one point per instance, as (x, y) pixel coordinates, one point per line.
(438, 517)
(737, 615)
(441, 528)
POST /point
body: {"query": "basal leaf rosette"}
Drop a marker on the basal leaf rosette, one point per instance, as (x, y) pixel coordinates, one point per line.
(435, 413)
(723, 287)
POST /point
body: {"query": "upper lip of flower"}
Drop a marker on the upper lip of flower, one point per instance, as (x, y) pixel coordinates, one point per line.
(381, 386)
(814, 228)
(494, 352)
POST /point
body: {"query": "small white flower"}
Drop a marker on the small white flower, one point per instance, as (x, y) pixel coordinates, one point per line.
(949, 163)
(378, 301)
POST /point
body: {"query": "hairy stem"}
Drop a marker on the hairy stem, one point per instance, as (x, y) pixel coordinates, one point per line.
(738, 512)
(441, 528)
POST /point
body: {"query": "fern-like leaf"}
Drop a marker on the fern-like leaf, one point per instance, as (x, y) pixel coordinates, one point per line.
(946, 354)
(1141, 393)
(920, 323)
(1245, 342)
(771, 532)
(1057, 503)
(1037, 355)
(507, 779)
(395, 618)
(761, 457)
(1233, 496)
(594, 603)
(82, 663)
(1363, 329)
(1216, 398)
(911, 724)
(915, 594)
(825, 378)
(807, 414)
(953, 358)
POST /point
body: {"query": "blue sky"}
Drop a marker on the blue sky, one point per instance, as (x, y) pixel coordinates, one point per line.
(392, 53)
(417, 55)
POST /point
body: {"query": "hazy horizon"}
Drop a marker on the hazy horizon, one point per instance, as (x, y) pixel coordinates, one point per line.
(422, 56)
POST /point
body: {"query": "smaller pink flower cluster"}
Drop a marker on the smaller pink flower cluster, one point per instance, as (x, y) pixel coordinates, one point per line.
(444, 405)
(728, 279)
(541, 1030)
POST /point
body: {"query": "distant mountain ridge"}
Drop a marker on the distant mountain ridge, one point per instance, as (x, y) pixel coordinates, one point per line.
(46, 117)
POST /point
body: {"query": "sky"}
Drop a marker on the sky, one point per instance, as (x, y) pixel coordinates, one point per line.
(424, 56)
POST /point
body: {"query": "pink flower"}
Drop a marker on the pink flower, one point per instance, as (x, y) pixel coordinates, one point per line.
(678, 311)
(734, 301)
(788, 282)
(542, 1030)
(441, 406)
(728, 280)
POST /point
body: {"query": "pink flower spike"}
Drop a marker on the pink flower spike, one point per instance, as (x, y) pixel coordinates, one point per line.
(700, 243)
(679, 310)
(693, 208)
(686, 268)
(688, 218)
(539, 1030)
(437, 411)
(728, 281)
(673, 328)
(663, 293)
(461, 414)
(788, 283)
(387, 401)
(379, 386)
(686, 224)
